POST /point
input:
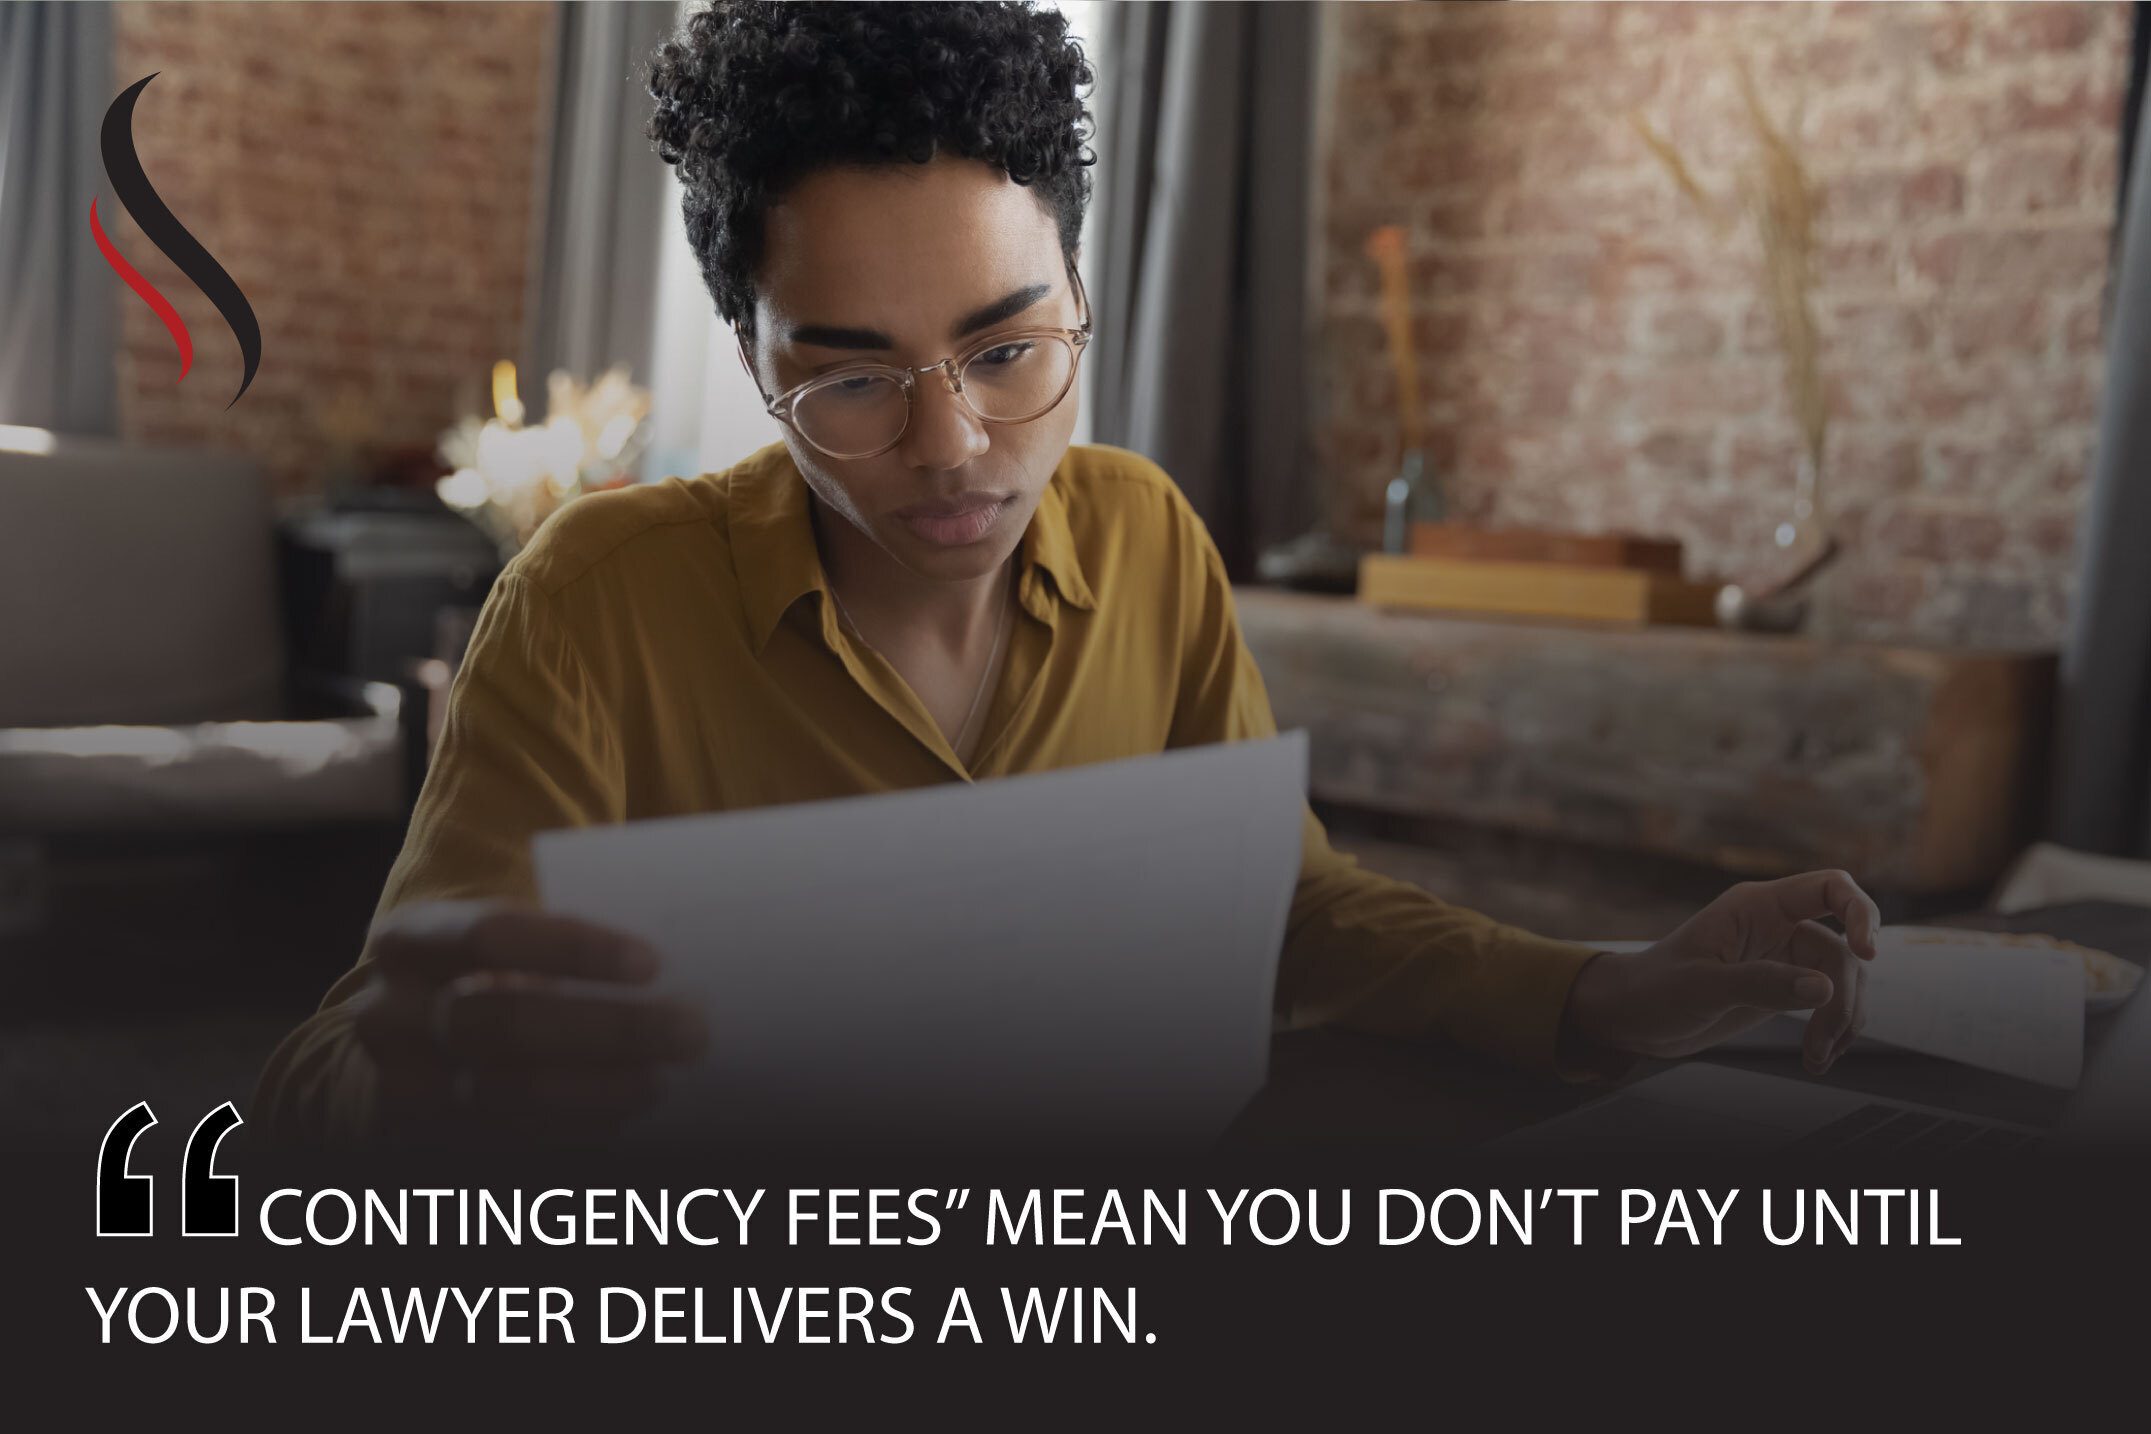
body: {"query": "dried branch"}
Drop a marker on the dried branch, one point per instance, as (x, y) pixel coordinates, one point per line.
(1780, 201)
(1670, 157)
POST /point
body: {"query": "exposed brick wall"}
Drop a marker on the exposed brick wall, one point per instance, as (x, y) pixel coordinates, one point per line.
(367, 173)
(1594, 359)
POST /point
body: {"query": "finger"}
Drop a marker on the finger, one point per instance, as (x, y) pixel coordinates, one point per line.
(1764, 985)
(394, 1025)
(1863, 929)
(413, 1081)
(1820, 949)
(434, 942)
(1858, 1023)
(1816, 894)
(511, 1016)
(1735, 1021)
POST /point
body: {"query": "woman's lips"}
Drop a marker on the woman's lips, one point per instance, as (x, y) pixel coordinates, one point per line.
(955, 524)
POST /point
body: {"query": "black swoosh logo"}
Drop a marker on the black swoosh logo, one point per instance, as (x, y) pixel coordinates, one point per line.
(124, 167)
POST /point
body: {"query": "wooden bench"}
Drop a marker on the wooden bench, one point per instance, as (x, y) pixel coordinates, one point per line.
(1722, 754)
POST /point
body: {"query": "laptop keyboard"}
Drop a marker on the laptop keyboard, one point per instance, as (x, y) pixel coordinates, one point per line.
(1892, 1127)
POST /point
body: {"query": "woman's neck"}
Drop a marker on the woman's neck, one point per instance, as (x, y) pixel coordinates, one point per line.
(895, 606)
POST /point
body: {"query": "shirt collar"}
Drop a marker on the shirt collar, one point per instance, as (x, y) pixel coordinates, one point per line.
(773, 540)
(1049, 543)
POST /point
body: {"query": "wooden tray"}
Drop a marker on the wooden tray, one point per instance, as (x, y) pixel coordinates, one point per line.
(1553, 590)
(1528, 545)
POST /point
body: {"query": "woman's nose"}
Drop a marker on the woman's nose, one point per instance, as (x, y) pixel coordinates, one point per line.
(944, 432)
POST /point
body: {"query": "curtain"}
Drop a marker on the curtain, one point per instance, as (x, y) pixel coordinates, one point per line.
(2103, 764)
(59, 316)
(592, 300)
(2132, 106)
(1204, 118)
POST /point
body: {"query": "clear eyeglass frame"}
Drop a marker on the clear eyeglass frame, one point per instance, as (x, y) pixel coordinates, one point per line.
(782, 406)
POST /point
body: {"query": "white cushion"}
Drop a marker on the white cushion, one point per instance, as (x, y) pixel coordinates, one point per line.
(214, 775)
(137, 585)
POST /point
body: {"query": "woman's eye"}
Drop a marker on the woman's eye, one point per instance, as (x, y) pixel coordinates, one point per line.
(1004, 355)
(858, 385)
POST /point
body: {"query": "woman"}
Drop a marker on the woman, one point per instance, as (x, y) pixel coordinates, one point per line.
(924, 582)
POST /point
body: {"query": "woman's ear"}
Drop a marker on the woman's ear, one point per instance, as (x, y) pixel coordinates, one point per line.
(739, 339)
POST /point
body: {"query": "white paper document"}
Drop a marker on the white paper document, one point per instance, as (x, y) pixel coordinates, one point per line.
(1090, 950)
(2019, 1011)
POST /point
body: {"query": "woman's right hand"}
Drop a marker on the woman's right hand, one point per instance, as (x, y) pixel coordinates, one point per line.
(488, 1018)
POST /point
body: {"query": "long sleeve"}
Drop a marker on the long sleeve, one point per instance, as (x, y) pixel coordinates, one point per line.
(527, 746)
(1364, 951)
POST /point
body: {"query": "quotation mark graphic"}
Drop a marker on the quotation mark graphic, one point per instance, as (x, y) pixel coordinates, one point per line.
(127, 1203)
(124, 168)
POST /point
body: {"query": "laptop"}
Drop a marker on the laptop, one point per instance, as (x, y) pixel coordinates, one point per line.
(1702, 1106)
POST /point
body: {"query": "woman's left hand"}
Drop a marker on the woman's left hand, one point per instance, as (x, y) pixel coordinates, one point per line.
(1755, 952)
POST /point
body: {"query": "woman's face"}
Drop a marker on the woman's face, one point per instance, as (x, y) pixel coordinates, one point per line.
(908, 265)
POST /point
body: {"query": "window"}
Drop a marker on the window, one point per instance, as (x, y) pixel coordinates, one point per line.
(1086, 21)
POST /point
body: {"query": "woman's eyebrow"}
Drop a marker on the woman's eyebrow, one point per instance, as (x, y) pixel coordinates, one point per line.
(833, 336)
(828, 336)
(1000, 310)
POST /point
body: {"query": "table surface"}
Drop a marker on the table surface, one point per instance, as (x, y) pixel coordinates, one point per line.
(1337, 1089)
(1327, 1089)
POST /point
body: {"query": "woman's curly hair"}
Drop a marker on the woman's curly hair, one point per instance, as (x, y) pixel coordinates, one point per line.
(753, 96)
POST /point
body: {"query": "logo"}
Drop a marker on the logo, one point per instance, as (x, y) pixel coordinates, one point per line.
(124, 168)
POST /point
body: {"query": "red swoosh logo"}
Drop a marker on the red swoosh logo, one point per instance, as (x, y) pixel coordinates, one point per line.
(147, 290)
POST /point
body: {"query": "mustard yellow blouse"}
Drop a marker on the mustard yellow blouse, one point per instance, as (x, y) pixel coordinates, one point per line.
(672, 648)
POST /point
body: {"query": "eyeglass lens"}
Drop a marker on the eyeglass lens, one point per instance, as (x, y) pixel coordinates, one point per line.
(1008, 383)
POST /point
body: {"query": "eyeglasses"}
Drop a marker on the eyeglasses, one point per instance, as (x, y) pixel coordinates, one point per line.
(864, 409)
